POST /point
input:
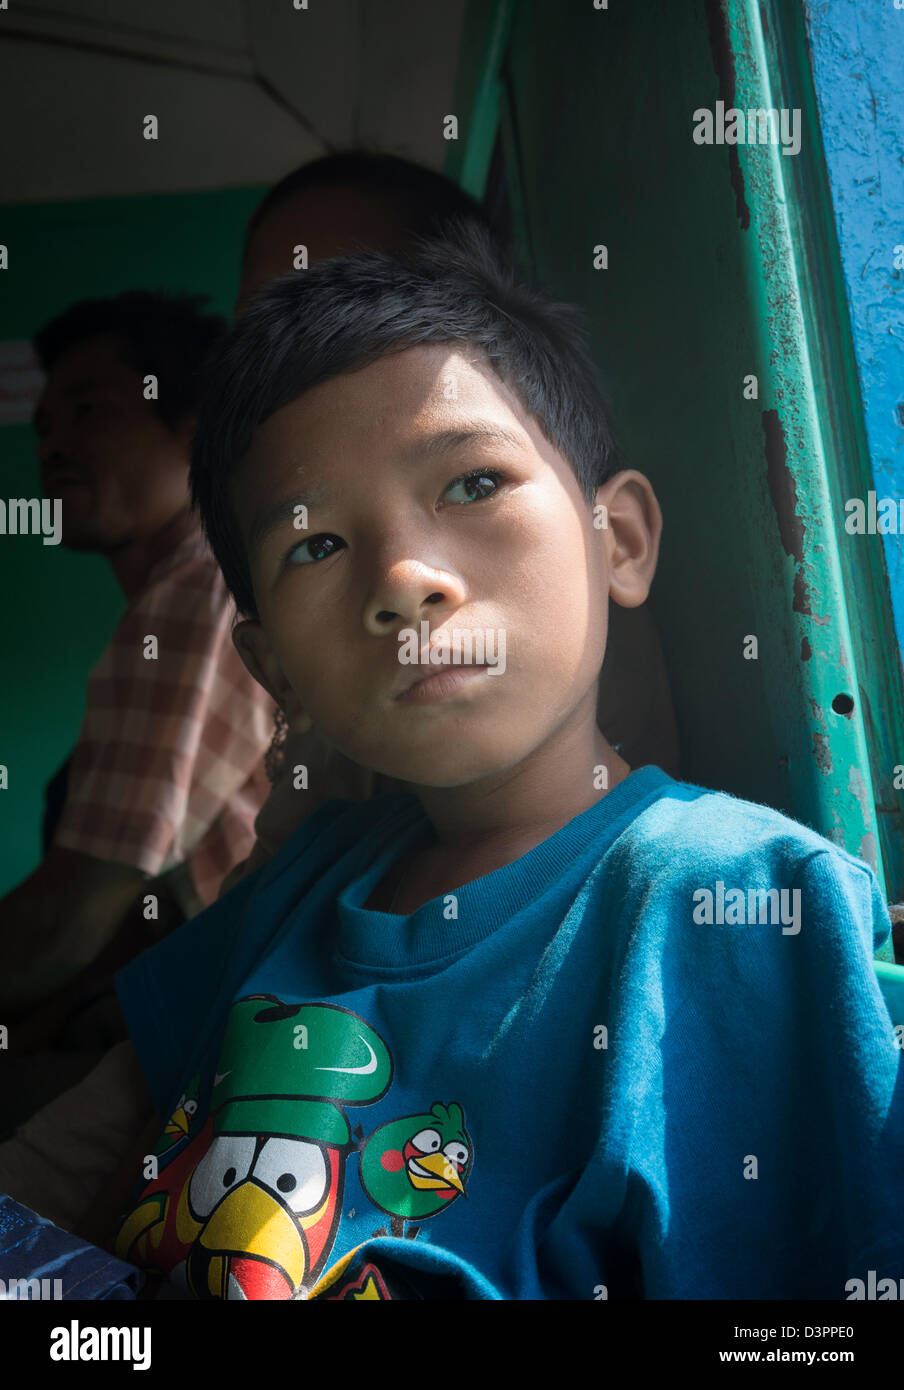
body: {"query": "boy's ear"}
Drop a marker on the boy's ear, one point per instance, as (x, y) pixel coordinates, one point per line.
(633, 529)
(253, 646)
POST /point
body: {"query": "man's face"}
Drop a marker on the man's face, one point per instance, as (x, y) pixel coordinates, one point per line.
(327, 221)
(398, 540)
(105, 452)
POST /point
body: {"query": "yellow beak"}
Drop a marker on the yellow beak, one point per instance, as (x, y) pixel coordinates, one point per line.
(178, 1123)
(251, 1222)
(438, 1164)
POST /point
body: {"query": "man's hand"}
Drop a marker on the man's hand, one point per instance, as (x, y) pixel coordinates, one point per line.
(57, 921)
(97, 1223)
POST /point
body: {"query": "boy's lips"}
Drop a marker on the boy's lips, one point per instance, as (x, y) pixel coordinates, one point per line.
(439, 682)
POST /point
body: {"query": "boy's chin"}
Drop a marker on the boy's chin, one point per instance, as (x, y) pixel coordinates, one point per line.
(433, 772)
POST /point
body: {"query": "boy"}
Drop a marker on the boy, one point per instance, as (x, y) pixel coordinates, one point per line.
(489, 1039)
(356, 199)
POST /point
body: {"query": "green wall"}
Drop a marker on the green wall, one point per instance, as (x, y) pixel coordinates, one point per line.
(58, 608)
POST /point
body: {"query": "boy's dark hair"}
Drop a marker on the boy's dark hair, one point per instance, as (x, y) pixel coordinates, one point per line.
(347, 312)
(164, 335)
(422, 199)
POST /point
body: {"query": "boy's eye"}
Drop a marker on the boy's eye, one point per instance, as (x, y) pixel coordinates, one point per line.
(477, 480)
(484, 481)
(314, 549)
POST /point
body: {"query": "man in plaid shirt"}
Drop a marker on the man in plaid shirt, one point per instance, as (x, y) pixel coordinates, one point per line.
(168, 774)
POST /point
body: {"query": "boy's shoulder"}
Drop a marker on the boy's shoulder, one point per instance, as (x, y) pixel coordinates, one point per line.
(690, 827)
(740, 862)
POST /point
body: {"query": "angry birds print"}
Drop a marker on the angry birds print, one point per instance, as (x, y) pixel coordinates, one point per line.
(414, 1167)
(177, 1126)
(249, 1202)
(250, 1207)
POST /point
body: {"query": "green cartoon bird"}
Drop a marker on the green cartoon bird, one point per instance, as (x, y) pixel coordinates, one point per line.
(414, 1167)
(179, 1122)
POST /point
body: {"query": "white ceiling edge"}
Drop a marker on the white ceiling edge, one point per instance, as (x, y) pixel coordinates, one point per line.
(140, 31)
(77, 121)
(336, 76)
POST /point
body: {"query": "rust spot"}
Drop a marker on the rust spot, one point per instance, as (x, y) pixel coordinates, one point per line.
(806, 651)
(801, 601)
(723, 62)
(782, 488)
(783, 492)
(868, 849)
(821, 752)
(857, 786)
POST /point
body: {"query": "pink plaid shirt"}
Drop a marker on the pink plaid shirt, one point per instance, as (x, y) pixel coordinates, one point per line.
(168, 768)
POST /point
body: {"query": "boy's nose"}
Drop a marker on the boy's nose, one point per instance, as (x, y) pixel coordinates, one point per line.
(412, 591)
(386, 616)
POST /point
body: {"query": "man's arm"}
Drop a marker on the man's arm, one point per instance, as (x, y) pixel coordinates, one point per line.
(97, 1223)
(77, 1159)
(57, 921)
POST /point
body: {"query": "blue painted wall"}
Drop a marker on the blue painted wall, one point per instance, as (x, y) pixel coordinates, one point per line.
(857, 59)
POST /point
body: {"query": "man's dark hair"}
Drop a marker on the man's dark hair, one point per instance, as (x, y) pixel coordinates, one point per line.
(164, 335)
(422, 199)
(346, 312)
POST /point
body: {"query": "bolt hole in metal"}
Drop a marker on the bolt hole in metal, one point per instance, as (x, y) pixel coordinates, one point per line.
(842, 704)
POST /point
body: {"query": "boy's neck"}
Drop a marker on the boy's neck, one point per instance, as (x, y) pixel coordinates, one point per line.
(517, 809)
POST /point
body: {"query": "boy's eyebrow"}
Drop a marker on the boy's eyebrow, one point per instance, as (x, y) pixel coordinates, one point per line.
(443, 442)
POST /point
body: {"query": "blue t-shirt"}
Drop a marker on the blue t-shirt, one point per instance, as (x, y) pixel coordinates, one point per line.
(650, 1058)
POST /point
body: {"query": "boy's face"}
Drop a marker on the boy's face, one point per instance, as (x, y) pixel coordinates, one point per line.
(408, 544)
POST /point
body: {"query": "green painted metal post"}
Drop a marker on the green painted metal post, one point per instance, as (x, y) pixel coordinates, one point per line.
(835, 788)
(485, 29)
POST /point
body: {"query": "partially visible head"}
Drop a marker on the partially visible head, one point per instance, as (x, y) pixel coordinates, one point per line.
(357, 399)
(351, 200)
(119, 461)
